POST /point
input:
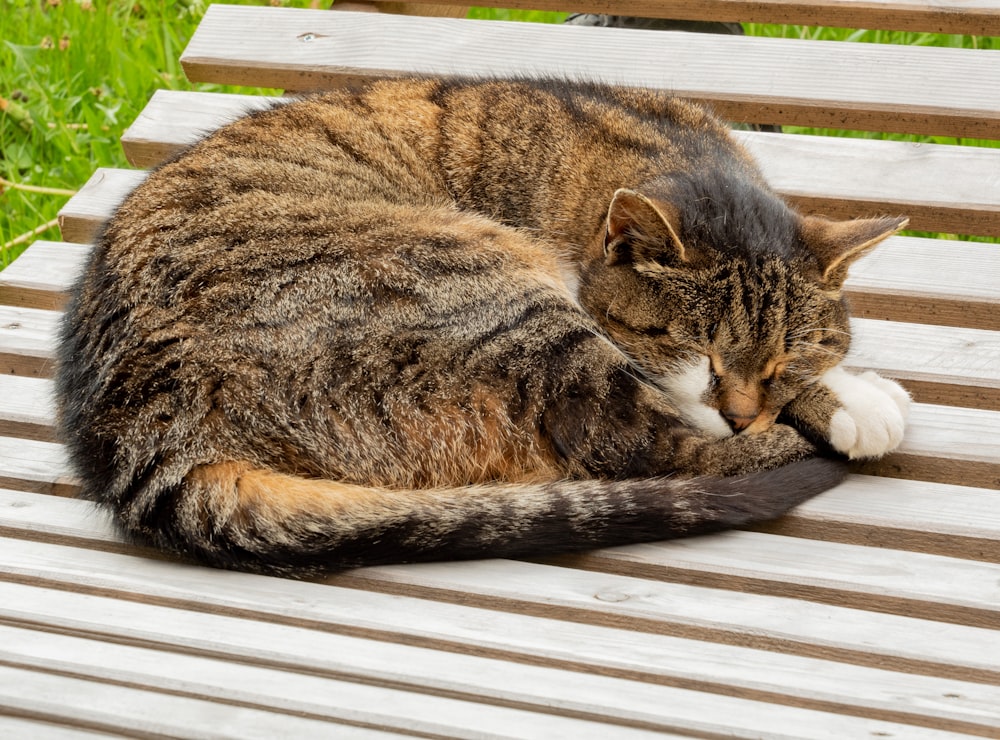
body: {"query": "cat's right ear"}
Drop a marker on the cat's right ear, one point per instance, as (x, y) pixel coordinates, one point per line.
(641, 230)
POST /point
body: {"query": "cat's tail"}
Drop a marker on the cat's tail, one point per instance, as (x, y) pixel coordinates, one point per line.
(236, 516)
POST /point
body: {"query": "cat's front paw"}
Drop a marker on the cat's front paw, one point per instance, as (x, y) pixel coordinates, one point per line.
(872, 414)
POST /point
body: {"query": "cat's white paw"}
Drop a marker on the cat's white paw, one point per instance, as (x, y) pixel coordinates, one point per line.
(872, 416)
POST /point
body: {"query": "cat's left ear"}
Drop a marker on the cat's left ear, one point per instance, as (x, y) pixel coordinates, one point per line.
(837, 244)
(640, 229)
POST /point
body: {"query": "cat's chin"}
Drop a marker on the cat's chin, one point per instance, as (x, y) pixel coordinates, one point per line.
(685, 387)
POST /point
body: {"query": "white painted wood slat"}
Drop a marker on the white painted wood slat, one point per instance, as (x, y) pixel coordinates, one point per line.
(94, 705)
(860, 86)
(31, 465)
(891, 581)
(28, 338)
(42, 274)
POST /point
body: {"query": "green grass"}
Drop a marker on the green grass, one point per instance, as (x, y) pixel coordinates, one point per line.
(75, 73)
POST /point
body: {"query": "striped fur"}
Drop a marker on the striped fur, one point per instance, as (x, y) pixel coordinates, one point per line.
(441, 319)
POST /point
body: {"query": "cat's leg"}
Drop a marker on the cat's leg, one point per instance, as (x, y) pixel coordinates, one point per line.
(619, 426)
(858, 415)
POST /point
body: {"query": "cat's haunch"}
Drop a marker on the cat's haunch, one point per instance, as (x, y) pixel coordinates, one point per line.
(431, 319)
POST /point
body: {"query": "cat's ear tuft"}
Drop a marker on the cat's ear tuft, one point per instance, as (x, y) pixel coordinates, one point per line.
(640, 229)
(838, 244)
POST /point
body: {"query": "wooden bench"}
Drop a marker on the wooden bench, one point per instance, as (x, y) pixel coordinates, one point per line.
(871, 611)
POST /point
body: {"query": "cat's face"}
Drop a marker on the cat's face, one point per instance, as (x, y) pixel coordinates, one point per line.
(730, 338)
(730, 344)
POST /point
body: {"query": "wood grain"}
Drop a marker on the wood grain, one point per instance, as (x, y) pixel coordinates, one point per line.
(124, 710)
(891, 581)
(41, 276)
(973, 17)
(933, 281)
(946, 444)
(951, 520)
(889, 177)
(28, 341)
(276, 604)
(779, 624)
(39, 467)
(82, 216)
(861, 86)
(936, 364)
(401, 708)
(27, 409)
(721, 669)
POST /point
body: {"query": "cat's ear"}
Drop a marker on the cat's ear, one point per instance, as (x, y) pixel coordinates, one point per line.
(837, 244)
(640, 229)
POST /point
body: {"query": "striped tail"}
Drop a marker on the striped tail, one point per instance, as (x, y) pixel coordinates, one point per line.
(233, 515)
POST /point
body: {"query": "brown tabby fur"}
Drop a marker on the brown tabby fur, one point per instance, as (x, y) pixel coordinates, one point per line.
(346, 331)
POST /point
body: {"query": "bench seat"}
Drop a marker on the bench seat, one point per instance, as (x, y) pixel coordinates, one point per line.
(572, 646)
(872, 610)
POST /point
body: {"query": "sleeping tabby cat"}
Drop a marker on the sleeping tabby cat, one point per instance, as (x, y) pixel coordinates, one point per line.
(451, 319)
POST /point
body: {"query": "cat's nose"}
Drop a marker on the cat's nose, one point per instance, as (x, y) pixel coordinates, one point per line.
(738, 421)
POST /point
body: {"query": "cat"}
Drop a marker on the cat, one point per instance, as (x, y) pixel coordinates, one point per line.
(448, 319)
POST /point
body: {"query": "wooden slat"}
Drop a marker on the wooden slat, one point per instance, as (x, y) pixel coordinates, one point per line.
(861, 86)
(971, 17)
(342, 616)
(951, 520)
(946, 444)
(173, 120)
(782, 624)
(15, 727)
(39, 467)
(84, 214)
(878, 177)
(42, 275)
(933, 281)
(941, 188)
(938, 365)
(322, 698)
(890, 581)
(28, 341)
(135, 712)
(27, 409)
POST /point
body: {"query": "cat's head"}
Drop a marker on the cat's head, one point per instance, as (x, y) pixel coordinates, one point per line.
(731, 309)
